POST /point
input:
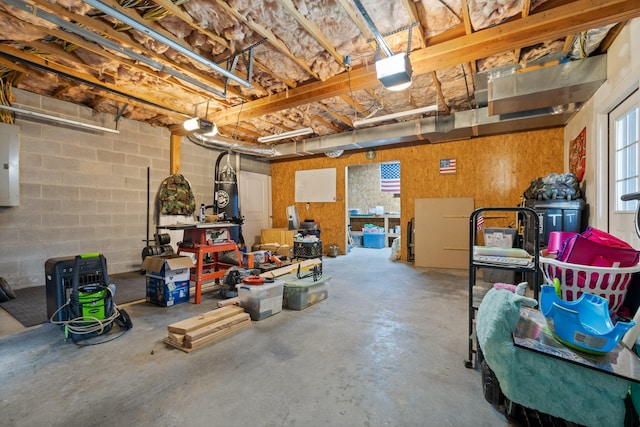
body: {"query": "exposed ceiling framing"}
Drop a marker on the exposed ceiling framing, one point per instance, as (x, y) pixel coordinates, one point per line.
(310, 62)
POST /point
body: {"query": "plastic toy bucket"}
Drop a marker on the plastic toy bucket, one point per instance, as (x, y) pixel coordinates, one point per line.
(557, 239)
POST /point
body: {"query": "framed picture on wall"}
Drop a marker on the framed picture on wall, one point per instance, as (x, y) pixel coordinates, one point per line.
(577, 154)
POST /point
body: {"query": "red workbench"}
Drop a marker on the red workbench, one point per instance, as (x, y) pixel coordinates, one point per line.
(195, 241)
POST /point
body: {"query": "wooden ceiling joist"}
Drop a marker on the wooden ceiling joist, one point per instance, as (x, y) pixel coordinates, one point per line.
(340, 117)
(88, 78)
(100, 27)
(268, 34)
(313, 29)
(326, 123)
(556, 23)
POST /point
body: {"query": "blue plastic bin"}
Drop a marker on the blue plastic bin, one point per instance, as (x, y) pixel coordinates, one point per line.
(373, 240)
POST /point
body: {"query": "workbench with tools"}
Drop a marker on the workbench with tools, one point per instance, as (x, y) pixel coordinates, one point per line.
(205, 241)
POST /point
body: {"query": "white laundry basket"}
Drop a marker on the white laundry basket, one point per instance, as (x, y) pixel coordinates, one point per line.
(611, 283)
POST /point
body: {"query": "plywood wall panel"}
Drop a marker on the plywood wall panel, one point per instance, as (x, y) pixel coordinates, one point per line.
(494, 171)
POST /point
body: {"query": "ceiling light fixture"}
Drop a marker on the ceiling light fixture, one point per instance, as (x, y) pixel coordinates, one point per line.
(394, 71)
(376, 119)
(58, 119)
(285, 135)
(202, 126)
(334, 153)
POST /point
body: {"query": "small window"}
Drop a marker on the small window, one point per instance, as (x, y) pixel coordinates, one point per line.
(627, 137)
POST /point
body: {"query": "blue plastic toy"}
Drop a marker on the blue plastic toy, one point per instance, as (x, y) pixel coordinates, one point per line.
(584, 324)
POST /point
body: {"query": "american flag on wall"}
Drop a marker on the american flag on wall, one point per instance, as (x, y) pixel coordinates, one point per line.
(447, 166)
(390, 177)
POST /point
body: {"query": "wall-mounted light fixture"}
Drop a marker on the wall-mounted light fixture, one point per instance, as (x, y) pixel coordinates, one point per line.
(376, 119)
(285, 135)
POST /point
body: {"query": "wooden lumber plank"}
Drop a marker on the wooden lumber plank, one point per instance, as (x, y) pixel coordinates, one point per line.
(210, 338)
(192, 323)
(291, 268)
(217, 335)
(176, 338)
(230, 301)
(195, 335)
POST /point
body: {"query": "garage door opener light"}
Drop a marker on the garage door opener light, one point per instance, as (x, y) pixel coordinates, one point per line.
(394, 71)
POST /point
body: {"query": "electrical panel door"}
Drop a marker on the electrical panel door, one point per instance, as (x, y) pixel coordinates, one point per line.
(9, 165)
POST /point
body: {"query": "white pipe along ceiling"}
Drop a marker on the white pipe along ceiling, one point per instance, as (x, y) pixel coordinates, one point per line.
(297, 78)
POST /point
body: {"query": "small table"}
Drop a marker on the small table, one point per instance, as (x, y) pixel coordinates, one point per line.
(532, 333)
(195, 241)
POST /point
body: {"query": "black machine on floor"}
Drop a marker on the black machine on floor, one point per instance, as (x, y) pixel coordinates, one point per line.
(88, 309)
(59, 273)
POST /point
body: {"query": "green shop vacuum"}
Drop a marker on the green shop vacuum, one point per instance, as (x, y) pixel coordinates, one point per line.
(90, 310)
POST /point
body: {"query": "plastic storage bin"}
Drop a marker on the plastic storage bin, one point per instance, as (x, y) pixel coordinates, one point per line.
(557, 215)
(373, 240)
(307, 249)
(261, 301)
(301, 293)
(499, 238)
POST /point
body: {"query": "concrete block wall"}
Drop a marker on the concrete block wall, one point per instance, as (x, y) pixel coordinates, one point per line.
(86, 191)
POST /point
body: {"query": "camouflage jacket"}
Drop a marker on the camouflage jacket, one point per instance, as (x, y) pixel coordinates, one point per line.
(175, 196)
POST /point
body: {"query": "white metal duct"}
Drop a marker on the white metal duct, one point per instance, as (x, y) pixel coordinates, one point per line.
(566, 83)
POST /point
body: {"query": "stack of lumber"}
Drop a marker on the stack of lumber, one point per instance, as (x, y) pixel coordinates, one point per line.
(292, 268)
(190, 334)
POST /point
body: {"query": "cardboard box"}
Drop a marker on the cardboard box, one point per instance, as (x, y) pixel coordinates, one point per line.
(281, 236)
(272, 248)
(170, 268)
(167, 294)
(285, 250)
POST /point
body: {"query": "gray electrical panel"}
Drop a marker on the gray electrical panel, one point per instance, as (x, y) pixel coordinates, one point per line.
(9, 165)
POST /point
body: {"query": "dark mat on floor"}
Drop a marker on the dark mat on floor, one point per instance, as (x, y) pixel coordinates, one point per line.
(30, 305)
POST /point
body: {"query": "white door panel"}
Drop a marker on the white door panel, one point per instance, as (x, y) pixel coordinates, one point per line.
(255, 205)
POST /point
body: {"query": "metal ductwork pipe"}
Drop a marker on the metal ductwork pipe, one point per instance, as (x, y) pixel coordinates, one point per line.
(566, 83)
(537, 99)
(461, 125)
(227, 143)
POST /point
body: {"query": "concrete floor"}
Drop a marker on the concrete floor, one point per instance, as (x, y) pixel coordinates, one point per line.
(385, 349)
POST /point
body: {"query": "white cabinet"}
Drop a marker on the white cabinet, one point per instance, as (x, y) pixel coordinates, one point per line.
(9, 165)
